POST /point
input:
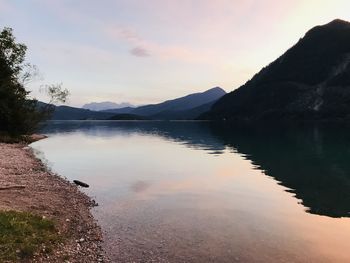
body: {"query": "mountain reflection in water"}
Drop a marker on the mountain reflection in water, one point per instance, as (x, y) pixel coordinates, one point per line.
(210, 192)
(311, 160)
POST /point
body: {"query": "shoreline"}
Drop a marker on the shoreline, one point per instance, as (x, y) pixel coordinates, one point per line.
(50, 196)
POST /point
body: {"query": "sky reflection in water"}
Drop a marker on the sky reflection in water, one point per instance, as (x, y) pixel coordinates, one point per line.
(190, 191)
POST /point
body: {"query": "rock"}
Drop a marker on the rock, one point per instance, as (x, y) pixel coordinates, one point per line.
(82, 184)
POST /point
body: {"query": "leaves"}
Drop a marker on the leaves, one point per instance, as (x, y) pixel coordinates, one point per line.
(14, 53)
(20, 114)
(56, 93)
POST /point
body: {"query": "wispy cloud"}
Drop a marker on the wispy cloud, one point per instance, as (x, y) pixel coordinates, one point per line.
(137, 45)
(139, 52)
(127, 34)
(142, 47)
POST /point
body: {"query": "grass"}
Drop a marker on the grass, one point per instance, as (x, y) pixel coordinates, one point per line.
(23, 234)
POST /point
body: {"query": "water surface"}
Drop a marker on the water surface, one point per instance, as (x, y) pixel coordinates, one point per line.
(202, 192)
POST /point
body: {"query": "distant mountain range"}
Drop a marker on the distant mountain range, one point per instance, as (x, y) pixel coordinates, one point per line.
(311, 81)
(72, 113)
(188, 107)
(105, 105)
(185, 108)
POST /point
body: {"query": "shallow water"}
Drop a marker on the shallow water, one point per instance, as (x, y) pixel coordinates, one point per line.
(202, 192)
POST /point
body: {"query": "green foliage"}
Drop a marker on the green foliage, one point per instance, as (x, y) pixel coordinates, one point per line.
(20, 114)
(23, 234)
(13, 53)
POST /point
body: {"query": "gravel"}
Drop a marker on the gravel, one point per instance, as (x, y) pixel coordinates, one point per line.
(50, 196)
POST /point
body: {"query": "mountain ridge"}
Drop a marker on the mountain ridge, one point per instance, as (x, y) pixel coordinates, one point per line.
(105, 105)
(183, 108)
(310, 81)
(174, 106)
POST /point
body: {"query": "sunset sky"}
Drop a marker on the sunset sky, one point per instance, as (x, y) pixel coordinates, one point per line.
(147, 51)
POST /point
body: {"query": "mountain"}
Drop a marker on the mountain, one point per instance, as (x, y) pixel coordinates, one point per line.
(190, 114)
(71, 113)
(120, 110)
(180, 104)
(105, 105)
(311, 81)
(188, 107)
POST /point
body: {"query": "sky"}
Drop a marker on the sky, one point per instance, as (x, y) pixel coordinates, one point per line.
(148, 51)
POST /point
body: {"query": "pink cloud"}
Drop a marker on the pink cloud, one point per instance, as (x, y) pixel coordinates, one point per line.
(128, 34)
(142, 47)
(139, 52)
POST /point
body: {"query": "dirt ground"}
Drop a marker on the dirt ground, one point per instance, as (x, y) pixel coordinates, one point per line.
(43, 193)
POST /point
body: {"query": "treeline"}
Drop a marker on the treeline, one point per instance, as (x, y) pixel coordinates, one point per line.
(19, 113)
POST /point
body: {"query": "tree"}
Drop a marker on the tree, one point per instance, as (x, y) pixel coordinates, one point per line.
(19, 114)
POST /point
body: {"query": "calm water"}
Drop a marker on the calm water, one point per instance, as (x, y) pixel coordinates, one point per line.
(199, 192)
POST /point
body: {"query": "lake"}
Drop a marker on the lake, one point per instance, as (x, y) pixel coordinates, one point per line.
(206, 192)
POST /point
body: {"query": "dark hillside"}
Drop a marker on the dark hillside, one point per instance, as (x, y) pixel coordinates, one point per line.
(309, 82)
